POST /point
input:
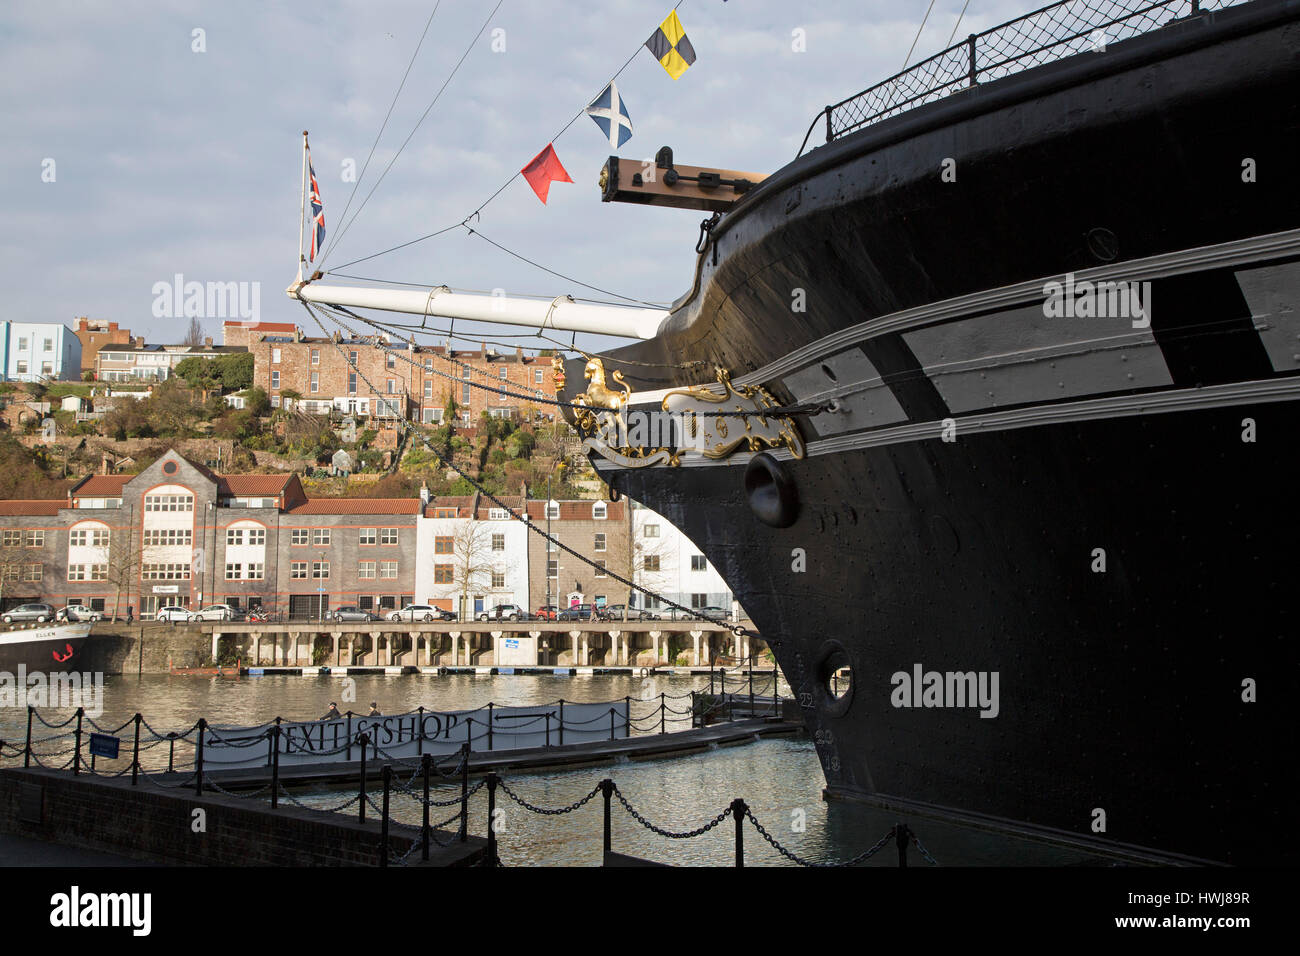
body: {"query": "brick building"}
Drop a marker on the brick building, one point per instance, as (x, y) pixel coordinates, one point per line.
(472, 554)
(413, 383)
(244, 333)
(94, 335)
(179, 534)
(597, 529)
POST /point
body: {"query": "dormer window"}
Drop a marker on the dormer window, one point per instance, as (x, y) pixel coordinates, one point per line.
(598, 511)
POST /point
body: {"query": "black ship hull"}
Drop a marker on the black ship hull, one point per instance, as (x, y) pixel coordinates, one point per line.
(1098, 510)
(51, 648)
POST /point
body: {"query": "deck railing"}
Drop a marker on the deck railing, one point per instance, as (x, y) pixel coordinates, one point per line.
(1048, 34)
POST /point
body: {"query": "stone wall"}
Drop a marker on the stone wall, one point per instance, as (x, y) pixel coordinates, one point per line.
(146, 823)
(144, 649)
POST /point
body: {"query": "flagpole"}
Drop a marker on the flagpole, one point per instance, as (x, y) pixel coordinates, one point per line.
(302, 215)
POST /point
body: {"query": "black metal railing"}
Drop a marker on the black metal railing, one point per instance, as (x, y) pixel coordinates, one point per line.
(1048, 34)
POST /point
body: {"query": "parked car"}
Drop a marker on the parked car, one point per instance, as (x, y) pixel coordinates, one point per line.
(504, 612)
(350, 612)
(216, 612)
(421, 612)
(546, 612)
(579, 612)
(714, 613)
(173, 613)
(614, 612)
(40, 613)
(78, 612)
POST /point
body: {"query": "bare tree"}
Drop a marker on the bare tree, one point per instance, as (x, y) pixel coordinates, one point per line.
(195, 334)
(123, 560)
(472, 559)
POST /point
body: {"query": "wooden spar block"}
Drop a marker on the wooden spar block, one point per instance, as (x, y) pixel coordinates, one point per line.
(686, 187)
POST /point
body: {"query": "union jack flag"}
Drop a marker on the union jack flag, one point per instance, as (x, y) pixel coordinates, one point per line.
(317, 212)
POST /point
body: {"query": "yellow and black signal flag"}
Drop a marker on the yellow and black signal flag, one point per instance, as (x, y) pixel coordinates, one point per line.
(671, 47)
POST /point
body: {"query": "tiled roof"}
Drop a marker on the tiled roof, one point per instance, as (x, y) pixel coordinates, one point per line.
(577, 510)
(102, 486)
(357, 506)
(241, 486)
(257, 326)
(28, 507)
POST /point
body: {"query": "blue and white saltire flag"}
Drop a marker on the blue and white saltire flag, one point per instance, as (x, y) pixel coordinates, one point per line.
(610, 113)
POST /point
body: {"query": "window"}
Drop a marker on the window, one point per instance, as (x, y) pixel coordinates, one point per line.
(275, 378)
(298, 569)
(444, 544)
(33, 539)
(315, 382)
(388, 569)
(22, 368)
(352, 358)
(168, 502)
(47, 368)
(428, 390)
(553, 510)
(428, 365)
(300, 535)
(352, 383)
(87, 572)
(651, 531)
(13, 539)
(320, 569)
(165, 572)
(652, 562)
(499, 514)
(34, 572)
(22, 343)
(498, 579)
(254, 571)
(599, 544)
(390, 360)
(552, 545)
(367, 536)
(598, 511)
(320, 537)
(698, 563)
(257, 536)
(501, 373)
(235, 536)
(234, 572)
(446, 512)
(392, 385)
(699, 600)
(315, 356)
(498, 542)
(366, 570)
(166, 537)
(388, 536)
(552, 568)
(88, 538)
(442, 574)
(537, 376)
(275, 356)
(600, 570)
(49, 345)
(464, 389)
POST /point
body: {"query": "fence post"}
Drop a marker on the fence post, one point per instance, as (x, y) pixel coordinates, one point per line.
(275, 767)
(27, 750)
(607, 788)
(492, 823)
(751, 685)
(611, 723)
(419, 740)
(464, 793)
(76, 756)
(627, 721)
(829, 136)
(489, 725)
(425, 760)
(349, 754)
(738, 810)
(135, 758)
(662, 711)
(900, 837)
(171, 751)
(970, 47)
(365, 742)
(383, 824)
(198, 782)
(561, 721)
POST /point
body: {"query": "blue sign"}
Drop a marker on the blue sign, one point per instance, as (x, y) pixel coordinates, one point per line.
(103, 745)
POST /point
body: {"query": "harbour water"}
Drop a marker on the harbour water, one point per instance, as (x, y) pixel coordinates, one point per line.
(780, 778)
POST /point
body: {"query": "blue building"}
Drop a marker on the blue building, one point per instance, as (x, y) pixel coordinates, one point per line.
(38, 351)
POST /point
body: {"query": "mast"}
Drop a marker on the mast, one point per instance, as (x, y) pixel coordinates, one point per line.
(562, 313)
(302, 215)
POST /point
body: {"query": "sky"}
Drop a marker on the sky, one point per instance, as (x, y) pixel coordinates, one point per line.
(145, 140)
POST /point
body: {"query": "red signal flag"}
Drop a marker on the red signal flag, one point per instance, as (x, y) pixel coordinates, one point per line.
(544, 169)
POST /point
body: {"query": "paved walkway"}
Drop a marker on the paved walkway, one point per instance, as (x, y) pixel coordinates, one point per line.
(22, 851)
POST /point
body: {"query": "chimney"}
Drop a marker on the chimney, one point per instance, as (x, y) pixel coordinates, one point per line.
(207, 340)
(297, 334)
(82, 324)
(519, 353)
(424, 495)
(138, 341)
